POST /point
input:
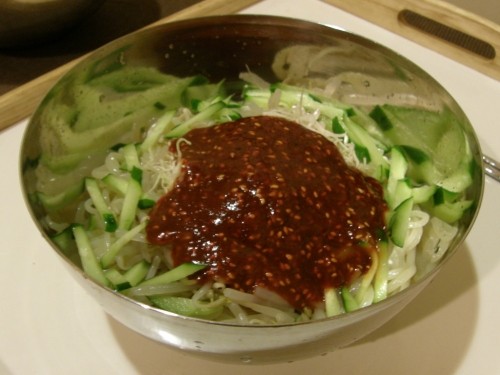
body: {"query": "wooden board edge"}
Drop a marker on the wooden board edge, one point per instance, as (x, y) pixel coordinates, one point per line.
(387, 14)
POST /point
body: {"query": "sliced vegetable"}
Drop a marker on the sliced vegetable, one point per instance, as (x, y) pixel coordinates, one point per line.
(131, 156)
(204, 116)
(350, 303)
(117, 279)
(137, 273)
(157, 130)
(117, 184)
(398, 225)
(64, 239)
(332, 303)
(130, 204)
(175, 274)
(89, 260)
(100, 204)
(109, 258)
(433, 141)
(381, 275)
(447, 205)
(188, 307)
(397, 171)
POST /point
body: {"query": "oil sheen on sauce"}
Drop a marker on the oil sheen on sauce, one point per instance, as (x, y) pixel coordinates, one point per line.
(265, 202)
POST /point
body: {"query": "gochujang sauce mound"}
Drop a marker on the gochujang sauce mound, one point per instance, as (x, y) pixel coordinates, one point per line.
(265, 202)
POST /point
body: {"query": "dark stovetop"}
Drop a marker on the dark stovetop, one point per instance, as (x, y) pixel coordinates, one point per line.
(114, 19)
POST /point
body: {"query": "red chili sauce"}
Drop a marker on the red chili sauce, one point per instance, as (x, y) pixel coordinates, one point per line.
(264, 201)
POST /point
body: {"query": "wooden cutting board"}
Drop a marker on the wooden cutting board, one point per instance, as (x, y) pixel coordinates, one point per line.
(20, 103)
(448, 29)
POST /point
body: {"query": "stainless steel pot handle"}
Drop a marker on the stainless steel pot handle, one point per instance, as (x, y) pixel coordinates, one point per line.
(491, 167)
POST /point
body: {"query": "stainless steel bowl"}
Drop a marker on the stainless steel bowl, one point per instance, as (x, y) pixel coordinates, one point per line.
(25, 22)
(222, 47)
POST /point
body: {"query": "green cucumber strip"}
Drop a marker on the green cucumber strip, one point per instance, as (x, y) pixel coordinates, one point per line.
(136, 174)
(450, 212)
(108, 259)
(64, 239)
(402, 192)
(130, 203)
(397, 171)
(131, 156)
(290, 96)
(137, 273)
(414, 154)
(155, 132)
(100, 204)
(442, 195)
(423, 193)
(187, 307)
(90, 263)
(117, 279)
(199, 92)
(55, 202)
(366, 122)
(381, 276)
(175, 274)
(145, 203)
(434, 142)
(458, 181)
(362, 154)
(367, 278)
(117, 184)
(332, 303)
(350, 303)
(362, 138)
(398, 225)
(381, 118)
(228, 114)
(337, 126)
(205, 115)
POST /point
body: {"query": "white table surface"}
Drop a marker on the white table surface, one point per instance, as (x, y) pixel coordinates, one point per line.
(48, 324)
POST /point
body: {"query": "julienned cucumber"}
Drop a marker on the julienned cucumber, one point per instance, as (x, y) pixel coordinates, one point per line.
(333, 306)
(397, 172)
(100, 204)
(189, 307)
(447, 205)
(137, 273)
(109, 258)
(381, 275)
(180, 272)
(350, 303)
(175, 274)
(398, 224)
(89, 260)
(130, 204)
(117, 279)
(204, 116)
